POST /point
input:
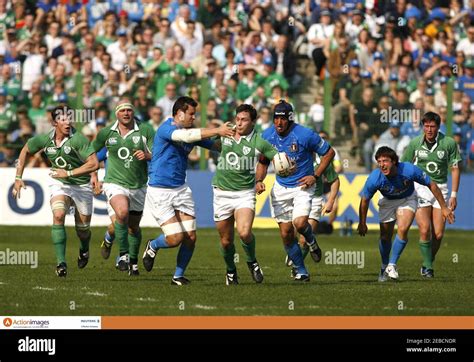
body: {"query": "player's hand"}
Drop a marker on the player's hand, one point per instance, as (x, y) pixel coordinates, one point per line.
(96, 186)
(362, 229)
(19, 184)
(259, 187)
(328, 207)
(307, 181)
(140, 155)
(453, 203)
(448, 214)
(226, 130)
(58, 173)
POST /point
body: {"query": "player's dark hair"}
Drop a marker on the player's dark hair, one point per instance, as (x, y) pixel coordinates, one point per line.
(61, 110)
(387, 152)
(249, 109)
(182, 104)
(431, 116)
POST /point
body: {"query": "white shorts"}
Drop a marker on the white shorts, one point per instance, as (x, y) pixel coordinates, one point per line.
(426, 197)
(316, 208)
(136, 196)
(226, 202)
(164, 202)
(288, 203)
(81, 195)
(388, 208)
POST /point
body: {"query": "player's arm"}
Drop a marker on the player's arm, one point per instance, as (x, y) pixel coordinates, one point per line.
(456, 178)
(447, 212)
(409, 154)
(326, 153)
(19, 184)
(91, 165)
(332, 195)
(363, 209)
(261, 173)
(191, 135)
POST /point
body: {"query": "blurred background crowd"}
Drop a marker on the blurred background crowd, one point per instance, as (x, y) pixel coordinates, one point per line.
(362, 71)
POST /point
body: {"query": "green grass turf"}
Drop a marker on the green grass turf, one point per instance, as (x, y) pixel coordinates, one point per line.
(100, 289)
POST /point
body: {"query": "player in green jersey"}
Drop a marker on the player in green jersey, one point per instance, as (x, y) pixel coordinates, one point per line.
(129, 148)
(72, 159)
(234, 190)
(435, 154)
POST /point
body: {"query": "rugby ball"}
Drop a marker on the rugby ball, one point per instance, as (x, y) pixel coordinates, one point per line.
(282, 164)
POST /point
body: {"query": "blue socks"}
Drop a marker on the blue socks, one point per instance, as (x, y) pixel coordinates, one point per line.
(308, 235)
(109, 238)
(294, 252)
(397, 249)
(159, 243)
(184, 257)
(384, 247)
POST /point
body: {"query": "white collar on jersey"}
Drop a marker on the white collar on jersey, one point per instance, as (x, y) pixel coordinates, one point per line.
(53, 133)
(247, 137)
(135, 127)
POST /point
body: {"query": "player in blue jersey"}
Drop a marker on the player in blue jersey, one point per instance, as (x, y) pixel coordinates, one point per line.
(395, 181)
(291, 196)
(169, 197)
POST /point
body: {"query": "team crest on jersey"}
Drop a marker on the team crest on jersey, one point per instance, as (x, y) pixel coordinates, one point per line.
(246, 150)
(227, 142)
(135, 139)
(67, 150)
(112, 141)
(440, 154)
(294, 147)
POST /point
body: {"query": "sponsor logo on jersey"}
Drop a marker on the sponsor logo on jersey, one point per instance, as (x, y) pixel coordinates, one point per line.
(422, 154)
(246, 150)
(51, 150)
(227, 142)
(440, 154)
(67, 150)
(136, 139)
(294, 147)
(112, 141)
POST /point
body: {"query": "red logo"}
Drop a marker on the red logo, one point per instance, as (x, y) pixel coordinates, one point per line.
(7, 322)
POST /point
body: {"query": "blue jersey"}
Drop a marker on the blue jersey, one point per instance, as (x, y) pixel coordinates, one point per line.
(397, 187)
(170, 158)
(299, 145)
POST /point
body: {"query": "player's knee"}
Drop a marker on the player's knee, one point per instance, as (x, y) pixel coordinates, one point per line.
(300, 224)
(287, 236)
(245, 234)
(83, 230)
(438, 235)
(59, 217)
(403, 232)
(175, 239)
(226, 243)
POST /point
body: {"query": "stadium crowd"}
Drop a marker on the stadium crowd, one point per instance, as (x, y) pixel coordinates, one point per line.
(383, 58)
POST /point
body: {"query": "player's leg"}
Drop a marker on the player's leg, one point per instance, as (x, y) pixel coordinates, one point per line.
(225, 228)
(244, 220)
(59, 206)
(186, 249)
(423, 220)
(82, 196)
(109, 236)
(438, 227)
(405, 216)
(385, 245)
(137, 203)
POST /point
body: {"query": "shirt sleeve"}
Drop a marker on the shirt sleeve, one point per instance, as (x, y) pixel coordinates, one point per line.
(453, 154)
(99, 141)
(420, 176)
(83, 147)
(330, 173)
(370, 187)
(102, 154)
(265, 148)
(409, 154)
(317, 144)
(166, 130)
(205, 144)
(35, 144)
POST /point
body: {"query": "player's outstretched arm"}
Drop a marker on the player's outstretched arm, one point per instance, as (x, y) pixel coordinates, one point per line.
(191, 135)
(363, 208)
(19, 184)
(260, 174)
(456, 178)
(91, 165)
(447, 212)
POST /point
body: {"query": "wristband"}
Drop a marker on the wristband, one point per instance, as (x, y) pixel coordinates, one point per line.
(69, 173)
(17, 177)
(454, 193)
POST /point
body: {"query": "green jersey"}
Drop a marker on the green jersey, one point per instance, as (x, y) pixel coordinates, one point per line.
(435, 161)
(238, 160)
(70, 154)
(122, 167)
(329, 175)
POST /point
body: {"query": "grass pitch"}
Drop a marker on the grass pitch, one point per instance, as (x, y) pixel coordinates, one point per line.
(335, 289)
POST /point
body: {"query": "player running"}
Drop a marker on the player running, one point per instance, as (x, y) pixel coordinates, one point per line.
(395, 181)
(169, 197)
(291, 196)
(128, 148)
(234, 191)
(72, 159)
(434, 153)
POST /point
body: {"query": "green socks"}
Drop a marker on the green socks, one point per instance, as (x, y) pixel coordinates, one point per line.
(121, 234)
(425, 248)
(134, 240)
(228, 255)
(249, 249)
(58, 234)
